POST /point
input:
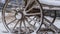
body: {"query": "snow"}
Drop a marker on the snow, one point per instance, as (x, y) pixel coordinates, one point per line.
(49, 2)
(2, 28)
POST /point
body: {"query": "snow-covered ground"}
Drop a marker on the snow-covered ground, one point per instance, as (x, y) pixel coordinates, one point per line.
(57, 24)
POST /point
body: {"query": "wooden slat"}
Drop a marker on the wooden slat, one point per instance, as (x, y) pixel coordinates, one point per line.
(33, 14)
(48, 7)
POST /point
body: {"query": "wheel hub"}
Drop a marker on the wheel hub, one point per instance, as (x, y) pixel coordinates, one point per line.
(20, 14)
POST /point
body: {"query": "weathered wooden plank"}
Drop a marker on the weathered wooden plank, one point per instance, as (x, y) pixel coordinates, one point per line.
(49, 8)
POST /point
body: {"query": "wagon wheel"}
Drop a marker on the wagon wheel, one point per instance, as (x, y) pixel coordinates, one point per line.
(21, 18)
(47, 20)
(51, 19)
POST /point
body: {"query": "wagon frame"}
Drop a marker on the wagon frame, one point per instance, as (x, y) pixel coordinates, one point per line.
(24, 13)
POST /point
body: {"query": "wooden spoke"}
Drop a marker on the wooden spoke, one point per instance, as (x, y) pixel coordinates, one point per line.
(30, 9)
(29, 23)
(16, 24)
(20, 25)
(25, 25)
(27, 5)
(47, 20)
(11, 22)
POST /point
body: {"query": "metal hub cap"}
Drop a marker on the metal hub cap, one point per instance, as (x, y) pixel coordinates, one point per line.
(18, 16)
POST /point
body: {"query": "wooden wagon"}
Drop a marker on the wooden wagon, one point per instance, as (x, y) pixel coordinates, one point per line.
(27, 16)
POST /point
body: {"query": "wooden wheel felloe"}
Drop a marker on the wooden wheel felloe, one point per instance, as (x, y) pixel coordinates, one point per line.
(21, 17)
(52, 17)
(46, 20)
